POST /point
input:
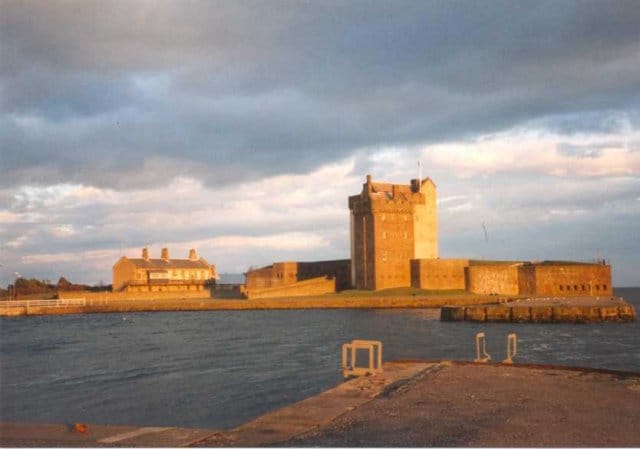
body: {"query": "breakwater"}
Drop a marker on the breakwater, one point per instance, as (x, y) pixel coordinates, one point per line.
(545, 310)
(192, 305)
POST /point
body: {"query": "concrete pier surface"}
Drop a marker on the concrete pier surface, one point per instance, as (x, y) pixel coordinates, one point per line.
(412, 403)
(545, 310)
(495, 406)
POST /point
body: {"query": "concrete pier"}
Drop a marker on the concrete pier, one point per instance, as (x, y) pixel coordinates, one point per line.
(545, 310)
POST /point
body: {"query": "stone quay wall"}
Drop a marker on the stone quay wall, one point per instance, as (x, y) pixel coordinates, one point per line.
(615, 310)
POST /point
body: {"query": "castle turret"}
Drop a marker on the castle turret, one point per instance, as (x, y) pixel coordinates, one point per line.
(145, 253)
(192, 254)
(164, 255)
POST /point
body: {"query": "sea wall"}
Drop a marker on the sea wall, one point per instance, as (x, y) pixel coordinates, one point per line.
(334, 301)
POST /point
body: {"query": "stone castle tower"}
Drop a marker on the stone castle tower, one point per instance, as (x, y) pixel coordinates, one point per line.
(390, 225)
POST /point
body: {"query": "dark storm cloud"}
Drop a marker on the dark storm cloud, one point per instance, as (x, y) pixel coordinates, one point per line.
(130, 94)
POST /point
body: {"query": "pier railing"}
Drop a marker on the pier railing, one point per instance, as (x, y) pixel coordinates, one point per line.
(45, 302)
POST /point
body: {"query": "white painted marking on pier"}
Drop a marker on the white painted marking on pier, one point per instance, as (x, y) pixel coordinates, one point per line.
(132, 434)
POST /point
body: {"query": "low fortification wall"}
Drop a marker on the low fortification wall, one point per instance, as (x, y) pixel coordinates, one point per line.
(338, 269)
(439, 274)
(123, 296)
(573, 280)
(316, 286)
(288, 273)
(490, 279)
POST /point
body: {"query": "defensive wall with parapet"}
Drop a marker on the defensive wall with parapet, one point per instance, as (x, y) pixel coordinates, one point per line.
(548, 278)
(282, 274)
(309, 287)
(439, 274)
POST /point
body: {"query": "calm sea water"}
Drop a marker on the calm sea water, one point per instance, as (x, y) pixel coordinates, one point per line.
(219, 369)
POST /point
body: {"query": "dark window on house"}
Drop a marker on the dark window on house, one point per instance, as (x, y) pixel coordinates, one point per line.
(561, 288)
(597, 287)
(575, 287)
(604, 287)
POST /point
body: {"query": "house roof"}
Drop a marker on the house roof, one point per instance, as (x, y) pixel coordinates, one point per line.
(161, 264)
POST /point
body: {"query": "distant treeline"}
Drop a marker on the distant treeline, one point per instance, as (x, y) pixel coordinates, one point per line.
(24, 286)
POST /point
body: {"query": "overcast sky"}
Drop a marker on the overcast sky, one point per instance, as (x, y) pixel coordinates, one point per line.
(240, 128)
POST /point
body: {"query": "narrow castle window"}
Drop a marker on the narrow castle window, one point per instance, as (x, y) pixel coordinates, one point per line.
(604, 287)
(561, 288)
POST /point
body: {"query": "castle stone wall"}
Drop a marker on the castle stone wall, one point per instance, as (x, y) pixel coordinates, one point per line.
(439, 274)
(527, 279)
(573, 279)
(338, 269)
(309, 287)
(493, 279)
(278, 274)
(289, 273)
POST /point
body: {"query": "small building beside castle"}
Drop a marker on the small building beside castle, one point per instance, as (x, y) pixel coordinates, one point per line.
(164, 274)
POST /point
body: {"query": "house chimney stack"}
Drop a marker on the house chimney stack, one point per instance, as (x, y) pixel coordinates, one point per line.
(165, 254)
(145, 253)
(192, 254)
